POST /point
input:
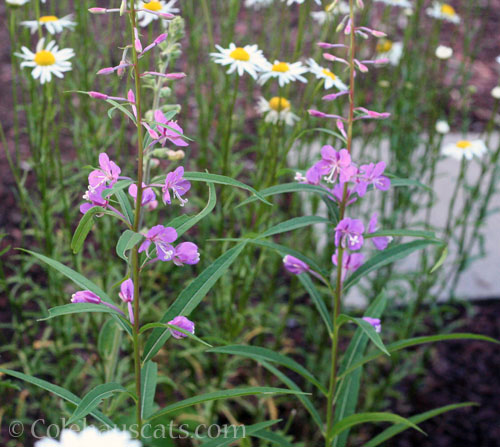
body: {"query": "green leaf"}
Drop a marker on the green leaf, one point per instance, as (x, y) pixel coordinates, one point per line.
(58, 391)
(385, 257)
(408, 343)
(287, 188)
(398, 182)
(322, 130)
(440, 261)
(402, 233)
(81, 281)
(362, 418)
(128, 240)
(347, 390)
(76, 308)
(84, 226)
(242, 432)
(93, 399)
(274, 438)
(294, 224)
(308, 284)
(186, 224)
(122, 109)
(124, 202)
(190, 297)
(367, 329)
(223, 180)
(223, 394)
(257, 353)
(308, 405)
(417, 419)
(149, 378)
(118, 186)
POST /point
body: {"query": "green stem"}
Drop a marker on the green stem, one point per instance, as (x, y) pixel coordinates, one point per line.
(227, 140)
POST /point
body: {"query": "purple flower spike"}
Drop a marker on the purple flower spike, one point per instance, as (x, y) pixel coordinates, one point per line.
(127, 296)
(375, 322)
(85, 296)
(350, 262)
(177, 184)
(108, 174)
(162, 237)
(338, 194)
(371, 174)
(349, 234)
(186, 253)
(148, 196)
(183, 323)
(380, 242)
(295, 265)
(335, 164)
(172, 133)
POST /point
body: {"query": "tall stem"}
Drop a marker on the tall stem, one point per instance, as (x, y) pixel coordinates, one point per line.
(137, 219)
(227, 141)
(337, 295)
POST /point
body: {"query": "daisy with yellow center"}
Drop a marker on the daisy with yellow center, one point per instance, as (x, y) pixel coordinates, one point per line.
(52, 24)
(387, 49)
(46, 61)
(285, 72)
(144, 18)
(465, 148)
(277, 109)
(443, 11)
(247, 59)
(15, 3)
(330, 78)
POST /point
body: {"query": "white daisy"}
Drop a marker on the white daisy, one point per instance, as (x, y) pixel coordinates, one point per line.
(442, 127)
(400, 3)
(16, 2)
(299, 2)
(498, 59)
(386, 49)
(284, 71)
(248, 58)
(330, 78)
(443, 11)
(276, 109)
(90, 436)
(145, 18)
(53, 24)
(257, 4)
(495, 92)
(443, 52)
(465, 148)
(329, 13)
(47, 61)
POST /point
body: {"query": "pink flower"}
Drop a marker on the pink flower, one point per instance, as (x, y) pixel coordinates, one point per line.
(162, 237)
(86, 296)
(371, 174)
(338, 194)
(175, 181)
(127, 296)
(380, 242)
(186, 253)
(375, 322)
(148, 196)
(162, 134)
(183, 323)
(349, 234)
(295, 265)
(94, 196)
(335, 164)
(350, 262)
(108, 173)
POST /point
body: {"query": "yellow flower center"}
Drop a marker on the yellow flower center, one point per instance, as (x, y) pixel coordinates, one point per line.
(153, 5)
(329, 74)
(384, 46)
(464, 144)
(279, 103)
(447, 9)
(45, 19)
(281, 67)
(45, 58)
(240, 54)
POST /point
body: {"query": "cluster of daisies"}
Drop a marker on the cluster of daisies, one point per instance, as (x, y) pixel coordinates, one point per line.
(251, 60)
(47, 60)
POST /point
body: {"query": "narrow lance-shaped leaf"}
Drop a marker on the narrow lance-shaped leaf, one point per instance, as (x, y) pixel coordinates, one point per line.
(149, 378)
(190, 297)
(58, 391)
(294, 224)
(93, 399)
(76, 308)
(367, 329)
(318, 301)
(223, 394)
(128, 240)
(238, 432)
